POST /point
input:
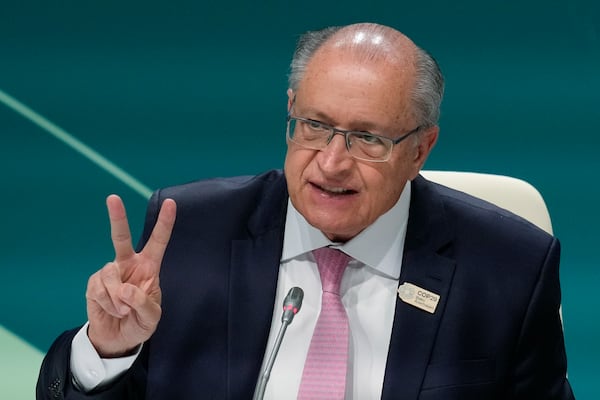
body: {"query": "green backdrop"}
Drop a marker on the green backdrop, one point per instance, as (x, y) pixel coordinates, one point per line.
(176, 91)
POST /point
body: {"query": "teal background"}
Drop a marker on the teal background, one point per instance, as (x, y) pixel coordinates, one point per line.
(177, 91)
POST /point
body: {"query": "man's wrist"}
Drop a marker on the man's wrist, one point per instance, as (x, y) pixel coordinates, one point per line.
(89, 370)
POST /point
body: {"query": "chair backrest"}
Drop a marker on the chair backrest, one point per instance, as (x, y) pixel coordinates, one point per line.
(513, 194)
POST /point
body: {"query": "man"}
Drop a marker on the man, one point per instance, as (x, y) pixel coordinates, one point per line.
(363, 106)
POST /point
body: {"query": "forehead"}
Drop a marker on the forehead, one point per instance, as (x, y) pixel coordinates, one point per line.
(348, 87)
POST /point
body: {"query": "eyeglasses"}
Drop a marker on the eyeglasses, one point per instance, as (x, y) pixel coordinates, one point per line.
(366, 146)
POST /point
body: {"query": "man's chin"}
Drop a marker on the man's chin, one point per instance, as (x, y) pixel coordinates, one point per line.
(334, 230)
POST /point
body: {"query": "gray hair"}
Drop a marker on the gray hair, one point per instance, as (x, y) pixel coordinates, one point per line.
(306, 47)
(429, 81)
(429, 89)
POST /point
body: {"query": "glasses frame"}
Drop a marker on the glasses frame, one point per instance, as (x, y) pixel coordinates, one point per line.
(336, 131)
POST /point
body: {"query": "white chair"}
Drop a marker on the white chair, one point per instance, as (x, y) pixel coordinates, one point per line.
(509, 193)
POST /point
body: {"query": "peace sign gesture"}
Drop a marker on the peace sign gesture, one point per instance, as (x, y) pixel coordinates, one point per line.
(124, 297)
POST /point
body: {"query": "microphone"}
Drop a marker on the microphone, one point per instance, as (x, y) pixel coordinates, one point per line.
(291, 306)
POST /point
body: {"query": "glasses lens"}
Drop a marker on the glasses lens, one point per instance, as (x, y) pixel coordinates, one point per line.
(291, 128)
(307, 133)
(369, 147)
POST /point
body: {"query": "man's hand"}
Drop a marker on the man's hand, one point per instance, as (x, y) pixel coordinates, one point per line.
(124, 297)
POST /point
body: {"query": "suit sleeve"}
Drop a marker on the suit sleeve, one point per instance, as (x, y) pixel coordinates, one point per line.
(540, 366)
(55, 381)
(54, 375)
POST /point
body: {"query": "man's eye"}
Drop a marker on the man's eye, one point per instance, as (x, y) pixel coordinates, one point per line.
(315, 125)
(367, 138)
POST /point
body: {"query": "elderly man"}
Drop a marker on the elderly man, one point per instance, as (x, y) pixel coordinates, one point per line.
(412, 290)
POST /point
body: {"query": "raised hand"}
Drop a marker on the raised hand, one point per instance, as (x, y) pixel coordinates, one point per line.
(124, 297)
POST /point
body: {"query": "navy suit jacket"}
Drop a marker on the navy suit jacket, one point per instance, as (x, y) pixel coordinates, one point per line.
(496, 333)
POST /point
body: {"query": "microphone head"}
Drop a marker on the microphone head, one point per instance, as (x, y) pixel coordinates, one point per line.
(292, 304)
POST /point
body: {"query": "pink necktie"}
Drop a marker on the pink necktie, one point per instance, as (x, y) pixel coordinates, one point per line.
(324, 375)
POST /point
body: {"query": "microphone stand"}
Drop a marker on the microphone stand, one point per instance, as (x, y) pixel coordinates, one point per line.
(291, 305)
(266, 374)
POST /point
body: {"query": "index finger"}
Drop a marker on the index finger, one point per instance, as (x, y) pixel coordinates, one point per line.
(119, 228)
(161, 233)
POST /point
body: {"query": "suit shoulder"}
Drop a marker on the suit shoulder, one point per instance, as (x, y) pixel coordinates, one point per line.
(225, 204)
(224, 188)
(478, 215)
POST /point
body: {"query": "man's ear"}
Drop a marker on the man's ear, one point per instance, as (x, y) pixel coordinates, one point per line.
(291, 96)
(424, 146)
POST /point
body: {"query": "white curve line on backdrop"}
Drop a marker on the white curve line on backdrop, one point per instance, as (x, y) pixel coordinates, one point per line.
(19, 375)
(75, 144)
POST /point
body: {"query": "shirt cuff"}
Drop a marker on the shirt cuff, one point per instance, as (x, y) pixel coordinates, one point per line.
(89, 370)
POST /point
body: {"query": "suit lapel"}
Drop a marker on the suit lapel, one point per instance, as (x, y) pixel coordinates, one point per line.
(414, 330)
(254, 269)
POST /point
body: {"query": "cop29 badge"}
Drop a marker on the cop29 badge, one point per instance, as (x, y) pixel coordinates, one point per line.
(418, 297)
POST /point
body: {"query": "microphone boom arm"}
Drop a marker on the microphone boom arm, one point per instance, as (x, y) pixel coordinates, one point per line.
(291, 306)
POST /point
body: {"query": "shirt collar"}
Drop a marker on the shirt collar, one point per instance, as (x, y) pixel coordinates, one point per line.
(379, 246)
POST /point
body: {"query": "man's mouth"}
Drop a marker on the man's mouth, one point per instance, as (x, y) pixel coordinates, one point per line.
(334, 190)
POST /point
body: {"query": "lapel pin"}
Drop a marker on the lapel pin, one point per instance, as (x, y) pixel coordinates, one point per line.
(418, 297)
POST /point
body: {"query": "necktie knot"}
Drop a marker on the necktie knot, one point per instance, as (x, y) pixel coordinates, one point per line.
(332, 264)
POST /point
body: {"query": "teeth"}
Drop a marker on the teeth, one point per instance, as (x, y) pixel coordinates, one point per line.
(335, 189)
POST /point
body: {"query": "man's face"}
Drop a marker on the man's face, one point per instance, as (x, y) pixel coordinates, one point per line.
(335, 192)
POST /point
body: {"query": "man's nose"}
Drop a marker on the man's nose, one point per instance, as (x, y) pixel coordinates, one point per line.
(335, 155)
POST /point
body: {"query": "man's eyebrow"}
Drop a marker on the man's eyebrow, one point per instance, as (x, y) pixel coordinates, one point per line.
(358, 125)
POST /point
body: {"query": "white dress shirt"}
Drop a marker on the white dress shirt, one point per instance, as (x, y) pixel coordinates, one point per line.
(368, 292)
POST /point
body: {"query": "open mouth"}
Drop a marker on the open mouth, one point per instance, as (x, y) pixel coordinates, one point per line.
(334, 190)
